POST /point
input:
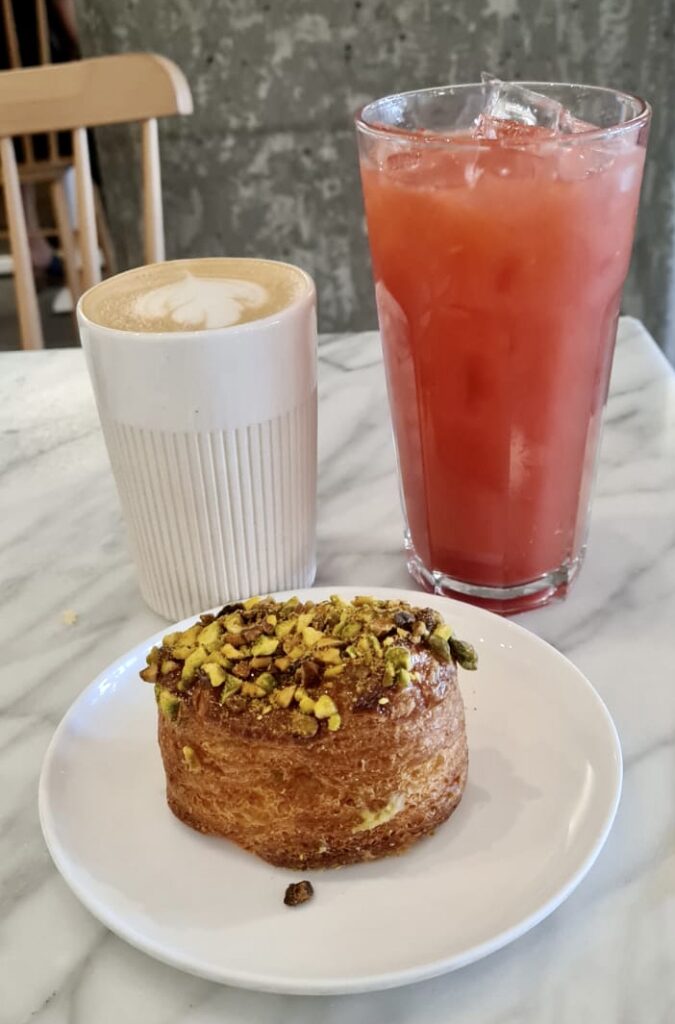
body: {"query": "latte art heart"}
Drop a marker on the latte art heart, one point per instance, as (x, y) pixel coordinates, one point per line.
(199, 303)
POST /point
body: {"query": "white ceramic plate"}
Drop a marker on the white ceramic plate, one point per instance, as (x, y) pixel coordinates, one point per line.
(543, 788)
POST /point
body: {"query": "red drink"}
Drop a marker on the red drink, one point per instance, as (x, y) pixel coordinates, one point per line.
(498, 266)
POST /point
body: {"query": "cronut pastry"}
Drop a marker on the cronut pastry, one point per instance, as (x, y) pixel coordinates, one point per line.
(313, 735)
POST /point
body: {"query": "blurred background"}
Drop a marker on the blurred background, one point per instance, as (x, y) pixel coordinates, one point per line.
(267, 164)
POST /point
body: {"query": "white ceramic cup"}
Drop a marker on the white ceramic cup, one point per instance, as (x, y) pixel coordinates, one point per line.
(212, 439)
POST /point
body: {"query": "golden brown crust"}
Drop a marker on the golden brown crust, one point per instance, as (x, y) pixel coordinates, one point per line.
(390, 773)
(305, 804)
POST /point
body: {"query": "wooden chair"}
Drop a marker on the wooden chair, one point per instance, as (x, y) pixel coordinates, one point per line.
(49, 167)
(131, 87)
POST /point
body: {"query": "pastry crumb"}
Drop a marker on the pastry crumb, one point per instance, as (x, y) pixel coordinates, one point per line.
(69, 617)
(298, 892)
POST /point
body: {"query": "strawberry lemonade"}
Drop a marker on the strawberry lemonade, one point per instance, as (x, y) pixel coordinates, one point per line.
(499, 251)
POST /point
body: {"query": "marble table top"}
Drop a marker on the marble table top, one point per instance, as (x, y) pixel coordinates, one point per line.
(607, 955)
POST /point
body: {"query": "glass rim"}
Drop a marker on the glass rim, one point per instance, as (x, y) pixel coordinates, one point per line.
(424, 135)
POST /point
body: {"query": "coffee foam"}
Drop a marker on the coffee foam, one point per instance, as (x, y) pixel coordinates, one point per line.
(193, 295)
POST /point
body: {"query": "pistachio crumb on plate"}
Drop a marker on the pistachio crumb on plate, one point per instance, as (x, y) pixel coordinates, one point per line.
(298, 892)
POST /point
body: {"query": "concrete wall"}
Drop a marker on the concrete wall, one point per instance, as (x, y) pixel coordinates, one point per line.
(267, 164)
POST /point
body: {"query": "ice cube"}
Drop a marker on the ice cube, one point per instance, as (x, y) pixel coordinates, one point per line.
(571, 125)
(510, 133)
(403, 163)
(515, 114)
(433, 167)
(511, 101)
(574, 163)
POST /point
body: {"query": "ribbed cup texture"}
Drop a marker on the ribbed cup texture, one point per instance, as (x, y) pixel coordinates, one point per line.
(219, 516)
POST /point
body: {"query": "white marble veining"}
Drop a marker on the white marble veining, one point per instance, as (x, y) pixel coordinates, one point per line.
(606, 956)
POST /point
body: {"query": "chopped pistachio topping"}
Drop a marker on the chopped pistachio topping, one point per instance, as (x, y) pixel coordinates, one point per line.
(304, 620)
(267, 681)
(324, 707)
(209, 638)
(398, 657)
(329, 656)
(297, 658)
(264, 646)
(252, 690)
(169, 704)
(282, 629)
(192, 663)
(232, 686)
(182, 651)
(217, 658)
(216, 674)
(304, 725)
(443, 631)
(283, 696)
(440, 647)
(311, 636)
(234, 623)
(464, 654)
(389, 674)
(333, 671)
(350, 630)
(149, 674)
(232, 652)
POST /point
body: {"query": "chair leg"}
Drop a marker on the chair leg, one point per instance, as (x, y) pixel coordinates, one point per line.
(104, 236)
(66, 238)
(30, 327)
(86, 219)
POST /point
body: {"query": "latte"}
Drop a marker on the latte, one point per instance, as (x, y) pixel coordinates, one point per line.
(194, 295)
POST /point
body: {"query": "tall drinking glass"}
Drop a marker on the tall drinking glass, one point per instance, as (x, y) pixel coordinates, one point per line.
(500, 230)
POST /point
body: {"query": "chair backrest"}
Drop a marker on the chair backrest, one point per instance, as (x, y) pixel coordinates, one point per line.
(36, 19)
(131, 87)
(87, 93)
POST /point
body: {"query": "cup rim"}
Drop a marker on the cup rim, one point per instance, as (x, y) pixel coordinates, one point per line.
(380, 130)
(207, 333)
